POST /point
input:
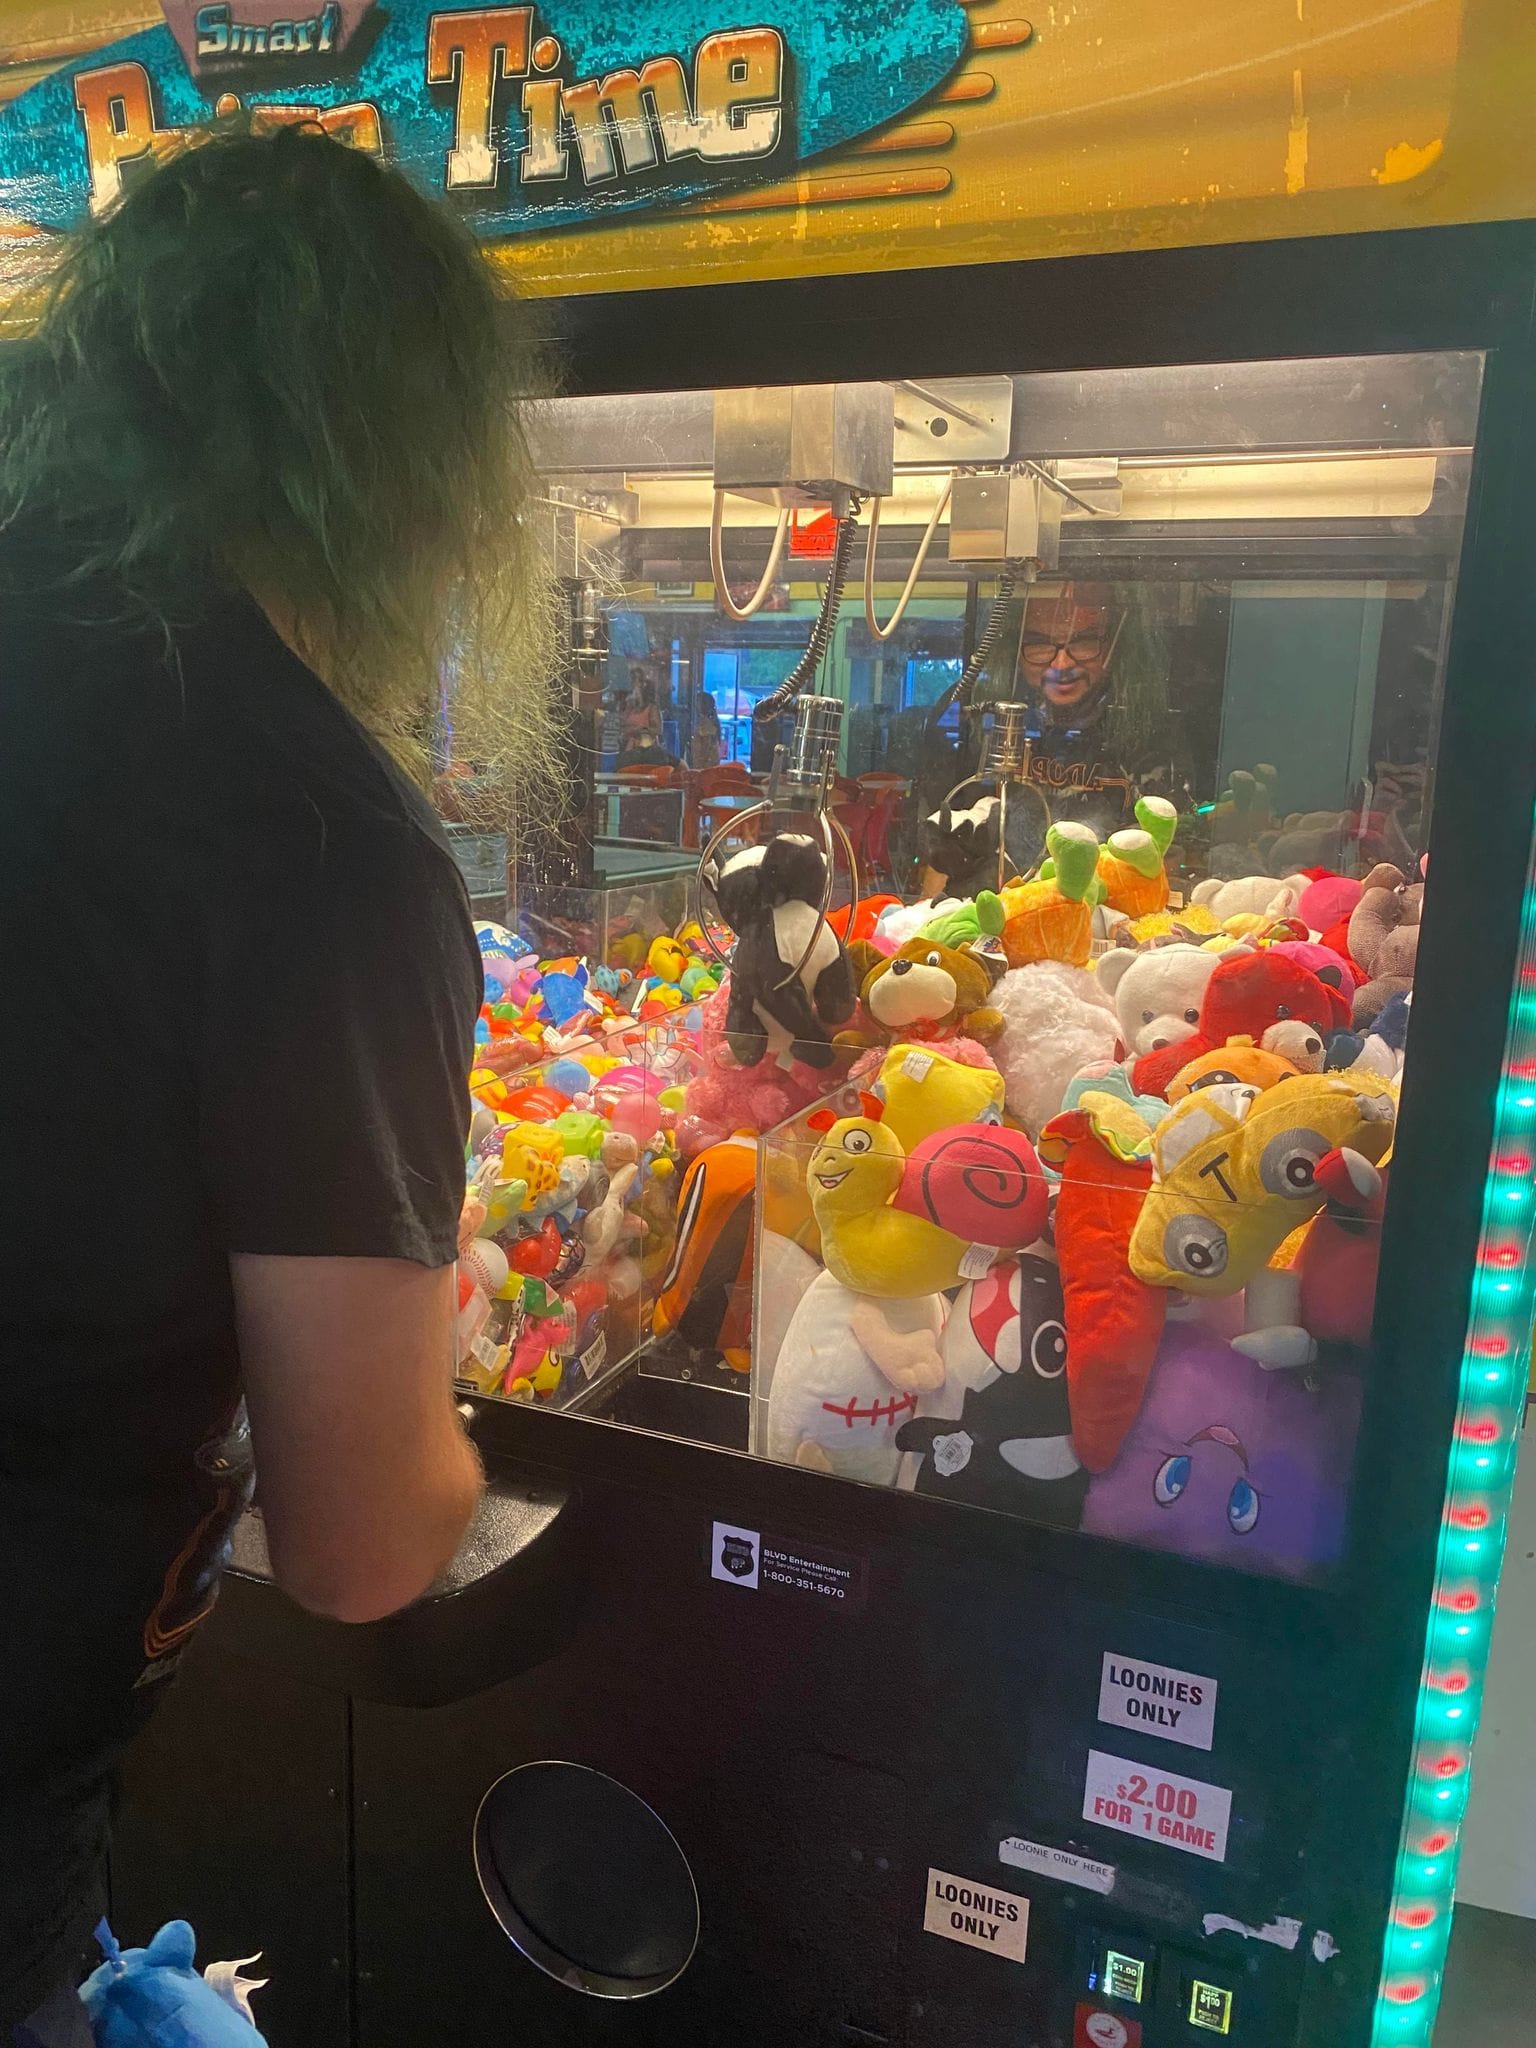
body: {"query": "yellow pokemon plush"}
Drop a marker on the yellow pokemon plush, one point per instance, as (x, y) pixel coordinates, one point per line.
(925, 1091)
(1235, 1174)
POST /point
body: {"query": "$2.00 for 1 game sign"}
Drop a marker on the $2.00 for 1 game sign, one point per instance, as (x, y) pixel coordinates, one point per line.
(1140, 1799)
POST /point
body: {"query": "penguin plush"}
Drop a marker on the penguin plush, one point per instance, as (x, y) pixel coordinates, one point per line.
(782, 1003)
(998, 1431)
(961, 847)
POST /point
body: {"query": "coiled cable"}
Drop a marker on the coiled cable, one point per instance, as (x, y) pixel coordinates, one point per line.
(821, 631)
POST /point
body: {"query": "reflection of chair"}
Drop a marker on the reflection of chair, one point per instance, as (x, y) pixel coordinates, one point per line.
(885, 794)
(867, 816)
(712, 794)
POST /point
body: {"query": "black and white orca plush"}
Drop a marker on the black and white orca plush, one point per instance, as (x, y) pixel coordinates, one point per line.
(770, 896)
(1004, 1439)
(961, 846)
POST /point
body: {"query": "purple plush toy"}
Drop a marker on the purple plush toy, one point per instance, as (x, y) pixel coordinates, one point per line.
(1232, 1464)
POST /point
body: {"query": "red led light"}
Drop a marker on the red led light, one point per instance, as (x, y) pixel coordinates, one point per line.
(1416, 1917)
(1522, 1070)
(1448, 1767)
(1480, 1432)
(1502, 1255)
(1407, 1991)
(1489, 1347)
(1435, 1845)
(1516, 1162)
(1469, 1518)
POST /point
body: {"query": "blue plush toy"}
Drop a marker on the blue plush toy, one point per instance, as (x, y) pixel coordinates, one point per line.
(153, 1997)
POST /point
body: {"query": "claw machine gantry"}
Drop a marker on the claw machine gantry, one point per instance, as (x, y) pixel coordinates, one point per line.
(1032, 1588)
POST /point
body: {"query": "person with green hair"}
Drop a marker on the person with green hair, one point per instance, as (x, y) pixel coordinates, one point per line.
(263, 565)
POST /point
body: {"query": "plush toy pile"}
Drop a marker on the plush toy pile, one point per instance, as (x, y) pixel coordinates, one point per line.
(1092, 1228)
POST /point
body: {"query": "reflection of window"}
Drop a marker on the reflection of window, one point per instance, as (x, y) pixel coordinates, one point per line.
(926, 678)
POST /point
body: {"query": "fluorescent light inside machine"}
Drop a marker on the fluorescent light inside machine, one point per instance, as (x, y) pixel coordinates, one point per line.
(1227, 491)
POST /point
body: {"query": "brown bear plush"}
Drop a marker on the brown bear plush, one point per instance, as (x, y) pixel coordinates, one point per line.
(924, 991)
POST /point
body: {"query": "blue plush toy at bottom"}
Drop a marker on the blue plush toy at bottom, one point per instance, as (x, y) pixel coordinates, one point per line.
(153, 1997)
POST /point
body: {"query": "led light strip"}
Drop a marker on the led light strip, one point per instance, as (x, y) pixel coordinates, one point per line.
(1494, 1379)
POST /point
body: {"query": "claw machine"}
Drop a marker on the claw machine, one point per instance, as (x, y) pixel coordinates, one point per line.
(1067, 1629)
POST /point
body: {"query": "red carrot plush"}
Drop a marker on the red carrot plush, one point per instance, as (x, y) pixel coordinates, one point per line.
(1114, 1320)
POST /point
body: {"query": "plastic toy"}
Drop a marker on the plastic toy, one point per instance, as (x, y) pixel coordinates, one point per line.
(1236, 1172)
(1052, 918)
(1113, 1318)
(1232, 1464)
(791, 985)
(997, 1433)
(153, 1997)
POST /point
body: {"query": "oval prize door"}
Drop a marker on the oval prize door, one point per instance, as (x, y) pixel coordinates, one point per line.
(586, 1881)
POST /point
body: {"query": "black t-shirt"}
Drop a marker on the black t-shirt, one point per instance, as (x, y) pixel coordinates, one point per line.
(238, 983)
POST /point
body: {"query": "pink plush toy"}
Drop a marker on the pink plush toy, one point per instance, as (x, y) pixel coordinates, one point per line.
(723, 1097)
(1322, 961)
(1328, 901)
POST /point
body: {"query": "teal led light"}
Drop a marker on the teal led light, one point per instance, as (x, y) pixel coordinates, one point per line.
(1480, 1472)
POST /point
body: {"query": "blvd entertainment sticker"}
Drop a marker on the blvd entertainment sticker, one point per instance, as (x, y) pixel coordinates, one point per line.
(964, 1909)
(1140, 1799)
(831, 1579)
(1155, 1699)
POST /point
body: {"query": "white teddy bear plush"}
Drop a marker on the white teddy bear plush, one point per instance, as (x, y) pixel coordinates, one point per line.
(1252, 896)
(1157, 994)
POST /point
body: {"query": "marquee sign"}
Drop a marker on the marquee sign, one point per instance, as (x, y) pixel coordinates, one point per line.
(532, 117)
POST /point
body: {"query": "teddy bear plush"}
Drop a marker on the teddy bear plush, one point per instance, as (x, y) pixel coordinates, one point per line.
(926, 990)
(1261, 995)
(1384, 938)
(1249, 896)
(1157, 994)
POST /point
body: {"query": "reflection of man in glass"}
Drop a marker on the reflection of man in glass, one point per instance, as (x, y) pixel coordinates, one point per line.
(1066, 653)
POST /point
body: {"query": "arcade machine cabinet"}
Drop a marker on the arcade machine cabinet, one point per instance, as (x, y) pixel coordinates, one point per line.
(966, 1742)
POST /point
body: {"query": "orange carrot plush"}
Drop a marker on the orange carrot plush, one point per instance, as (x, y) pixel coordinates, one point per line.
(1051, 918)
(1114, 1320)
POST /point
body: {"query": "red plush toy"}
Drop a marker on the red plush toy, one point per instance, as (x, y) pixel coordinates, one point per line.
(1263, 996)
(1341, 1253)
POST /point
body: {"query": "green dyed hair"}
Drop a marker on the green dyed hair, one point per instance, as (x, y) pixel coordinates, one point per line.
(274, 363)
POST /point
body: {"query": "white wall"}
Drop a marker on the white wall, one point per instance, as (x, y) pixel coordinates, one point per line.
(1498, 1857)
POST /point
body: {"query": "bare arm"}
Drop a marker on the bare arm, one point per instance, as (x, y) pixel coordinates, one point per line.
(366, 1478)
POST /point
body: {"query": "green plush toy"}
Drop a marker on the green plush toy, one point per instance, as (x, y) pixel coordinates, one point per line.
(962, 924)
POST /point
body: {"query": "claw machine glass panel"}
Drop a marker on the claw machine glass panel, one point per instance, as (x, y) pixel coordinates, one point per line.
(1140, 675)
